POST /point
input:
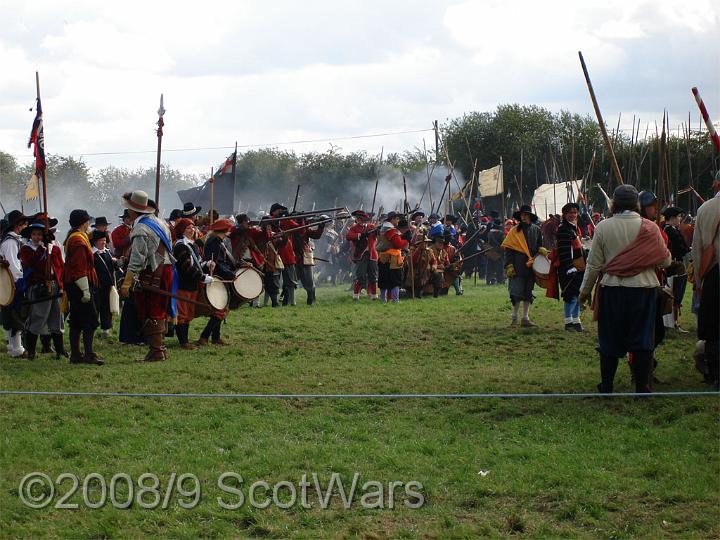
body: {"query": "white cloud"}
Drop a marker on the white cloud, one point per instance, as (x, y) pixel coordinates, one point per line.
(271, 71)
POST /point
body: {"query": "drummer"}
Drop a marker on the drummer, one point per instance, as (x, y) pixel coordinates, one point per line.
(215, 251)
(571, 257)
(522, 243)
(191, 272)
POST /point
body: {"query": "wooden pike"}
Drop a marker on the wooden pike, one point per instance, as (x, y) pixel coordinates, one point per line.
(601, 123)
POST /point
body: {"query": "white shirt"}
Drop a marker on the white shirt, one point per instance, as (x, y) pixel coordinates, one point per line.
(9, 250)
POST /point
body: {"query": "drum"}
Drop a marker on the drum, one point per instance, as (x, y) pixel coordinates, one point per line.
(248, 284)
(7, 287)
(214, 294)
(541, 268)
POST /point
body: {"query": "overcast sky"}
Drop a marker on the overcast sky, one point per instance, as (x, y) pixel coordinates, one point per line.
(272, 71)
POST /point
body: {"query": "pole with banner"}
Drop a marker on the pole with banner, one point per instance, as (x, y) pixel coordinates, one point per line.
(212, 197)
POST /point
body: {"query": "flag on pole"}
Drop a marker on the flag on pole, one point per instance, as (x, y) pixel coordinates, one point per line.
(37, 138)
(228, 167)
(463, 191)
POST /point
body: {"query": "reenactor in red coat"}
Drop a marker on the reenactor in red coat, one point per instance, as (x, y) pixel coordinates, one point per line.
(363, 238)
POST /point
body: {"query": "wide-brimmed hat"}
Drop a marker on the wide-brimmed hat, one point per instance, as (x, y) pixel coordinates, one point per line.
(646, 197)
(433, 216)
(101, 220)
(78, 217)
(417, 213)
(452, 218)
(672, 211)
(124, 214)
(98, 235)
(15, 217)
(277, 206)
(524, 209)
(361, 215)
(137, 201)
(176, 213)
(221, 225)
(25, 233)
(392, 215)
(190, 210)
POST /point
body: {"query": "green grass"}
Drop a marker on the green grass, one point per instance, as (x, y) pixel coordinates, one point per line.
(557, 468)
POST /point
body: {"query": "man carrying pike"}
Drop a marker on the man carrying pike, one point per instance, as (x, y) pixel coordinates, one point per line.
(150, 263)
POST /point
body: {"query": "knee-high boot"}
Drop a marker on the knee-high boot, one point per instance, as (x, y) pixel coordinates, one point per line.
(30, 344)
(45, 341)
(90, 356)
(608, 367)
(76, 357)
(59, 345)
(154, 332)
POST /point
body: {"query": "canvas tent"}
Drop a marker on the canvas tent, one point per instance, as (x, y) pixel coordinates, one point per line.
(550, 198)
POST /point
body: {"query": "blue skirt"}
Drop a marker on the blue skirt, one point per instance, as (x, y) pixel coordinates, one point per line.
(626, 320)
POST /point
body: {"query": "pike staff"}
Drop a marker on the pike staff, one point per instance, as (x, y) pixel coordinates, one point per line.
(377, 179)
(160, 124)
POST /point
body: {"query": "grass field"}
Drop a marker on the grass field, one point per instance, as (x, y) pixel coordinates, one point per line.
(603, 468)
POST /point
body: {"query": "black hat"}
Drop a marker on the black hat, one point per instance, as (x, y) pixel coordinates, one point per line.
(175, 214)
(433, 216)
(15, 217)
(97, 235)
(189, 209)
(569, 206)
(125, 214)
(626, 194)
(392, 215)
(277, 206)
(452, 218)
(78, 217)
(102, 220)
(417, 213)
(672, 211)
(524, 209)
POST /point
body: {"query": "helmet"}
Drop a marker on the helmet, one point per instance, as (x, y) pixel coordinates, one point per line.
(646, 198)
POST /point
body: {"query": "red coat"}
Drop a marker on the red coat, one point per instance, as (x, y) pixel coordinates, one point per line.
(120, 238)
(79, 260)
(250, 239)
(360, 246)
(286, 251)
(396, 239)
(35, 259)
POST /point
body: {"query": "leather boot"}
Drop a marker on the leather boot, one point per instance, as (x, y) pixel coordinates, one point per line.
(154, 332)
(57, 340)
(30, 344)
(45, 340)
(76, 357)
(90, 357)
(311, 297)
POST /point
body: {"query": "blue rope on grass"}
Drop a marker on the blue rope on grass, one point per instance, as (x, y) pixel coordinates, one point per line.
(358, 396)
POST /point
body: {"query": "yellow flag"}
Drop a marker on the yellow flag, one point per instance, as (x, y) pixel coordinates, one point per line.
(31, 190)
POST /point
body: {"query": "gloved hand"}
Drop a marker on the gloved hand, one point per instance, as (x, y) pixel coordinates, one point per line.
(126, 284)
(84, 286)
(207, 279)
(510, 271)
(572, 270)
(543, 251)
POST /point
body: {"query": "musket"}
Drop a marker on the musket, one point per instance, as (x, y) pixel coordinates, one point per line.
(294, 229)
(308, 214)
(297, 193)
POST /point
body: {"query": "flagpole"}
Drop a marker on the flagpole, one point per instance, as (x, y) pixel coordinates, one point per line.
(160, 124)
(234, 176)
(212, 197)
(42, 175)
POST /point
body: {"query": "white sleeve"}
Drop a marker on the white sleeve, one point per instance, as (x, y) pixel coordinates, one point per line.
(9, 250)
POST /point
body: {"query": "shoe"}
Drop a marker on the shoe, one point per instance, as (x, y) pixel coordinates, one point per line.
(570, 326)
(513, 323)
(201, 342)
(77, 359)
(92, 358)
(577, 327)
(525, 323)
(188, 346)
(220, 341)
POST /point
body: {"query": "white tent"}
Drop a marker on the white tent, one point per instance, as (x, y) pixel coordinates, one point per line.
(550, 198)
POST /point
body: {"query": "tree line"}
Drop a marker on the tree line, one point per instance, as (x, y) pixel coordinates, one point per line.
(535, 144)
